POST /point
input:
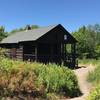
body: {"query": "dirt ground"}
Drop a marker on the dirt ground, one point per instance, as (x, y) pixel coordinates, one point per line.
(85, 87)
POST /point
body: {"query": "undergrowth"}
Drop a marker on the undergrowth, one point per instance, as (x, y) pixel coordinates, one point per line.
(36, 80)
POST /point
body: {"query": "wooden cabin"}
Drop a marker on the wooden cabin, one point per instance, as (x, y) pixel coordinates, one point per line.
(46, 44)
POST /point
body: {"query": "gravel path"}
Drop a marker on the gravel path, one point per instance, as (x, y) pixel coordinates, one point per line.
(85, 87)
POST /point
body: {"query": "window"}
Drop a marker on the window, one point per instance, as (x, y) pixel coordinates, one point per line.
(65, 37)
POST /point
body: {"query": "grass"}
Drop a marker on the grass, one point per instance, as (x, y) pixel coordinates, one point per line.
(36, 80)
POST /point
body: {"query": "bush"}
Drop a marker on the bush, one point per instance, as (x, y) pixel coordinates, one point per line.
(35, 79)
(58, 79)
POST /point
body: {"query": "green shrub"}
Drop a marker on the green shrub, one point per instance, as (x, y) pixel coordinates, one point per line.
(58, 79)
(35, 79)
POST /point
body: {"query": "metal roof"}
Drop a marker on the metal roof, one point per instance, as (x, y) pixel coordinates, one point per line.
(27, 35)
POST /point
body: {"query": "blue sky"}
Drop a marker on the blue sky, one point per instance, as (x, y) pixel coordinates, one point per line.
(70, 13)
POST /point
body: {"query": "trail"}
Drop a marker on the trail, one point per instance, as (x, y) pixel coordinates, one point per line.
(85, 86)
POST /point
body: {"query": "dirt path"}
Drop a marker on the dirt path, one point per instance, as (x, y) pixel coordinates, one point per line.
(85, 87)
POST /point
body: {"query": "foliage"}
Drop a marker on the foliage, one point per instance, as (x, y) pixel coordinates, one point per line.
(36, 80)
(58, 79)
(97, 51)
(3, 34)
(88, 41)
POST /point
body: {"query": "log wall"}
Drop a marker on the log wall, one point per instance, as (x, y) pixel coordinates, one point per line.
(15, 53)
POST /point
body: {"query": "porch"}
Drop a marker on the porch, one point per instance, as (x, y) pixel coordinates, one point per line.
(54, 53)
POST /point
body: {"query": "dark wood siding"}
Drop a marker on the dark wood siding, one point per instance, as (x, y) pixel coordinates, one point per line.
(15, 53)
(57, 36)
(19, 53)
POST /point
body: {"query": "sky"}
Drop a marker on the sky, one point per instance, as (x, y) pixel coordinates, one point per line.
(72, 14)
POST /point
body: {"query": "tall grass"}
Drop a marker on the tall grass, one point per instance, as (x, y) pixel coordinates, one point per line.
(35, 79)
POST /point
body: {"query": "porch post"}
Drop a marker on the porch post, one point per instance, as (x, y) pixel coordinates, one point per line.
(73, 51)
(62, 51)
(51, 53)
(36, 53)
